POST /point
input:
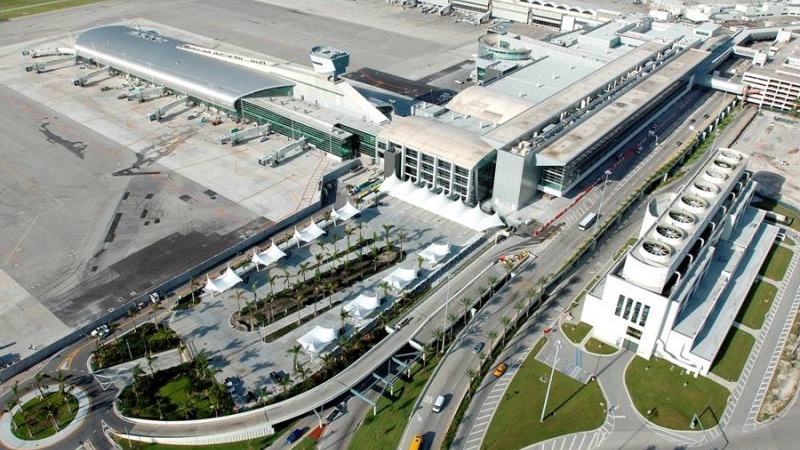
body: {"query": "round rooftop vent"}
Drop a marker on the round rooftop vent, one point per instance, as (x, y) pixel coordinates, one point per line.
(729, 156)
(670, 234)
(714, 176)
(655, 251)
(704, 190)
(693, 203)
(681, 219)
(723, 166)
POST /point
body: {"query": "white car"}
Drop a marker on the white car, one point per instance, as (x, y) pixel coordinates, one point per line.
(101, 331)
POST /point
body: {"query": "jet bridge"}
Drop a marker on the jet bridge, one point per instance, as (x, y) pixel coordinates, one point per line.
(143, 95)
(161, 112)
(238, 136)
(42, 66)
(54, 51)
(81, 81)
(280, 154)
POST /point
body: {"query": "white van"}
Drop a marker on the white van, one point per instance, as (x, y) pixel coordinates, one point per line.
(438, 404)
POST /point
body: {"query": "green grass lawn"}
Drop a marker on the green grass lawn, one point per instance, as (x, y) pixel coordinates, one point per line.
(179, 391)
(33, 422)
(385, 429)
(758, 301)
(733, 354)
(777, 262)
(659, 384)
(515, 424)
(599, 347)
(10, 9)
(575, 332)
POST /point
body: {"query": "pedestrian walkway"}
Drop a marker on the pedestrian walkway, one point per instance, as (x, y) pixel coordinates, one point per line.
(122, 374)
(8, 439)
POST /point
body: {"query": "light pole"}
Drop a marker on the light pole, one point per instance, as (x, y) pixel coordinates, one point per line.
(602, 196)
(446, 301)
(550, 381)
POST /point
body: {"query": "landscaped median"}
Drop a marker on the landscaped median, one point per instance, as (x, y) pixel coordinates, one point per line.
(669, 397)
(572, 407)
(385, 429)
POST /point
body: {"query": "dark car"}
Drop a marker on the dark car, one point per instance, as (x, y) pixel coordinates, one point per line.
(294, 435)
(477, 348)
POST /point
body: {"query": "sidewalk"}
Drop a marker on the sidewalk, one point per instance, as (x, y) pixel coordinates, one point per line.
(8, 439)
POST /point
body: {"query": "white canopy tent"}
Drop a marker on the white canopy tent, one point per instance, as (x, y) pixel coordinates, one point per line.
(270, 256)
(363, 305)
(308, 234)
(455, 210)
(344, 213)
(400, 278)
(435, 253)
(221, 284)
(316, 339)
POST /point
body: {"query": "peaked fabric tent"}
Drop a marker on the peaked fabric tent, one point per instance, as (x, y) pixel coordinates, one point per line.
(271, 255)
(390, 183)
(308, 234)
(345, 213)
(363, 305)
(316, 339)
(455, 210)
(223, 283)
(435, 253)
(400, 278)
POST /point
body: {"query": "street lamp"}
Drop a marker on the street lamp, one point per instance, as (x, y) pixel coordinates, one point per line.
(602, 196)
(550, 381)
(446, 302)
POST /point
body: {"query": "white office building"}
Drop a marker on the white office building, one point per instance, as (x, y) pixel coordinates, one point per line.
(676, 292)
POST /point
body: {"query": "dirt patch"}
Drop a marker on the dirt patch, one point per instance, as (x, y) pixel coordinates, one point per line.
(784, 384)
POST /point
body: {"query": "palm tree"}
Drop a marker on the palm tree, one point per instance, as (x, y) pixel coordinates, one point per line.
(508, 265)
(426, 351)
(374, 244)
(335, 238)
(506, 321)
(40, 384)
(541, 281)
(298, 297)
(285, 383)
(481, 292)
(438, 335)
(451, 320)
(286, 277)
(185, 408)
(61, 379)
(384, 286)
(327, 362)
(401, 236)
(420, 262)
(519, 305)
(193, 286)
(386, 229)
(343, 316)
(303, 269)
(295, 353)
(303, 372)
(466, 302)
(492, 335)
(490, 282)
(271, 280)
(150, 359)
(253, 289)
(238, 294)
(471, 374)
(348, 232)
(52, 411)
(529, 294)
(331, 288)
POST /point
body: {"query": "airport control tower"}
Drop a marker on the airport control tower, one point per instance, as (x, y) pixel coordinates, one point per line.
(329, 61)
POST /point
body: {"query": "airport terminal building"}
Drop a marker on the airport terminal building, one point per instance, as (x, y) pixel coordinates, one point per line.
(676, 293)
(296, 102)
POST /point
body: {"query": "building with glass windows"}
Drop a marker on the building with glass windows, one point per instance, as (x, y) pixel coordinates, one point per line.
(295, 101)
(676, 293)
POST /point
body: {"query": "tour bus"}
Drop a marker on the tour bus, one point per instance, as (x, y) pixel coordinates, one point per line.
(587, 221)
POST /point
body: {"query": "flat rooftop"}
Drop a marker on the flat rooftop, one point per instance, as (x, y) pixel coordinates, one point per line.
(785, 63)
(448, 142)
(543, 113)
(577, 140)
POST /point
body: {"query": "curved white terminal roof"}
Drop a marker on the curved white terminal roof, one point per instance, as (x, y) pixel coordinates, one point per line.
(488, 105)
(151, 56)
